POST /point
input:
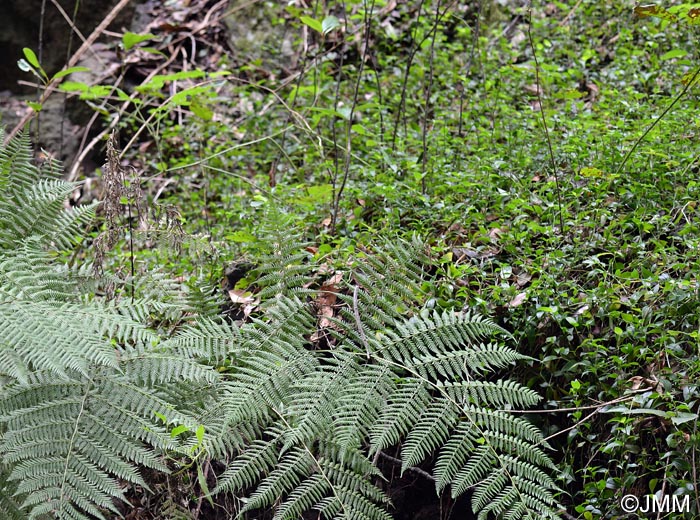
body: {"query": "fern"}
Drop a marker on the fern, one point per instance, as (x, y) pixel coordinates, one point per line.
(87, 397)
(424, 380)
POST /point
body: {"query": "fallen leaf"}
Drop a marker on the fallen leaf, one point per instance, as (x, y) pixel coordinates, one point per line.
(325, 303)
(518, 300)
(241, 297)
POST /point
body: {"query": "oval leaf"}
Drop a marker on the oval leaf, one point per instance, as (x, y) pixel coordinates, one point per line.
(130, 39)
(31, 57)
(313, 23)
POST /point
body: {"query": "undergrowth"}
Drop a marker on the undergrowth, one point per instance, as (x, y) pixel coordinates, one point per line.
(427, 118)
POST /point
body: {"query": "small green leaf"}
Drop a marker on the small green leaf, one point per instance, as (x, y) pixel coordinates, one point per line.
(200, 433)
(329, 23)
(178, 430)
(201, 110)
(62, 73)
(73, 86)
(240, 236)
(359, 129)
(130, 39)
(31, 57)
(35, 106)
(313, 23)
(203, 484)
(152, 50)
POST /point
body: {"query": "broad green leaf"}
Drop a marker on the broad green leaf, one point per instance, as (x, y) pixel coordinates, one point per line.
(682, 417)
(675, 53)
(634, 411)
(329, 23)
(203, 484)
(178, 430)
(130, 39)
(313, 23)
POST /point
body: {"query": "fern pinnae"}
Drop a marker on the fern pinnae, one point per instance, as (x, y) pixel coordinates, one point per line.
(313, 400)
(454, 454)
(259, 457)
(304, 496)
(492, 394)
(294, 466)
(430, 431)
(401, 410)
(359, 405)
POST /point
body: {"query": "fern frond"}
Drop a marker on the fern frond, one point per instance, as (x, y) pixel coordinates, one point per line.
(353, 417)
(258, 458)
(285, 271)
(87, 436)
(430, 431)
(17, 169)
(400, 411)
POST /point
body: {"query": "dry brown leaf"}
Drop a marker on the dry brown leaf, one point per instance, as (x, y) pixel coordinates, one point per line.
(325, 303)
(241, 297)
(495, 233)
(518, 300)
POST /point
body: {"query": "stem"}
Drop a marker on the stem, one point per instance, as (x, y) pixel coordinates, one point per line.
(656, 121)
(544, 120)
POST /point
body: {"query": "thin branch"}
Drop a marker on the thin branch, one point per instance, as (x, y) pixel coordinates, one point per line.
(544, 120)
(413, 469)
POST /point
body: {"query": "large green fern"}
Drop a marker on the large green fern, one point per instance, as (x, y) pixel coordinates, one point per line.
(392, 375)
(87, 397)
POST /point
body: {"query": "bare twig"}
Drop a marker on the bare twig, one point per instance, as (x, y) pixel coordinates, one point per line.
(413, 469)
(358, 321)
(544, 121)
